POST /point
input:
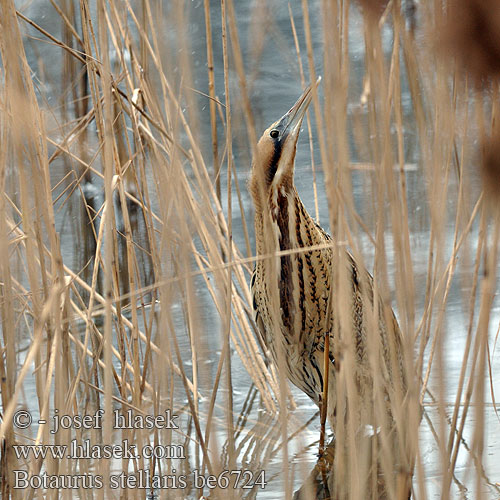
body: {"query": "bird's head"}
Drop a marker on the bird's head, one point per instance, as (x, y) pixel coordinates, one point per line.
(272, 165)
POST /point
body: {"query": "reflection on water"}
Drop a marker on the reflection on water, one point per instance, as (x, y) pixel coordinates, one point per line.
(273, 86)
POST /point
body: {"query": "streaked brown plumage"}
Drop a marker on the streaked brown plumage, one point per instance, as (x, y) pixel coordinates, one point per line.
(291, 294)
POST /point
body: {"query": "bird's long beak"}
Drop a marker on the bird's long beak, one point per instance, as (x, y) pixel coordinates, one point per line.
(290, 122)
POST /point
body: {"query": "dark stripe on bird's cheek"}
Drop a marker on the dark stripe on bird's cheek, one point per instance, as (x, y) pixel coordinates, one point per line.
(273, 163)
(278, 144)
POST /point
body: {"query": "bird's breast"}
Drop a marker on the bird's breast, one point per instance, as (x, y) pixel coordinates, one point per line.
(300, 277)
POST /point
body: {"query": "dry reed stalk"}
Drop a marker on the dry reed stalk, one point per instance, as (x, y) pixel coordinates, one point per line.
(211, 91)
(226, 317)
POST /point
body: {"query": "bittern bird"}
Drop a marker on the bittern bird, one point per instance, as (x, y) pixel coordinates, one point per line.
(301, 295)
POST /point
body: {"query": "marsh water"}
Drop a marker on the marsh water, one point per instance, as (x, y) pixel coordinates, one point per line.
(274, 87)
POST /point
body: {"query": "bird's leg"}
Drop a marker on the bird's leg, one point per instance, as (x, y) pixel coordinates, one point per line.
(324, 396)
(323, 462)
(326, 376)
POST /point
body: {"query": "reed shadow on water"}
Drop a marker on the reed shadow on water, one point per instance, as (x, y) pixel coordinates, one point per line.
(132, 364)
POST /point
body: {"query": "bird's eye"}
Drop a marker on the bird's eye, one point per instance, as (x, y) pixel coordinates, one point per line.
(274, 134)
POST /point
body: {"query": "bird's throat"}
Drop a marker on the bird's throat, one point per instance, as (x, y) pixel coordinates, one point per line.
(274, 220)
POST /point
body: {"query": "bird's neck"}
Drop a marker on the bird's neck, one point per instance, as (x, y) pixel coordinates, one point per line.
(283, 223)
